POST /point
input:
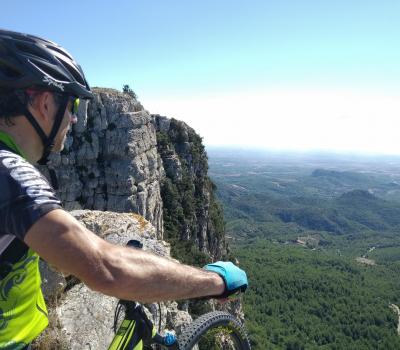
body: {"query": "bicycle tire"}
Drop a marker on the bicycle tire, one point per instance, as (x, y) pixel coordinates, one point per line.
(199, 333)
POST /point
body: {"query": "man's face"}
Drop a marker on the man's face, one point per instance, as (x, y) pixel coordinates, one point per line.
(68, 120)
(44, 106)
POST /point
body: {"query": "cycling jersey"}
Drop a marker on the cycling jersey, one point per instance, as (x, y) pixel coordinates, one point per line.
(25, 196)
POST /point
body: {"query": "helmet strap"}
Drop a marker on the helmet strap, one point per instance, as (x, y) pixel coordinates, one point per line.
(48, 141)
(35, 125)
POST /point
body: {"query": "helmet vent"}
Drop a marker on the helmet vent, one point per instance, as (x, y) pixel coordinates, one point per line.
(31, 50)
(72, 70)
(59, 50)
(36, 39)
(9, 72)
(48, 70)
(18, 36)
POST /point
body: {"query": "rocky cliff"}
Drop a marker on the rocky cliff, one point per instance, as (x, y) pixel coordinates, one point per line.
(110, 161)
(191, 212)
(122, 159)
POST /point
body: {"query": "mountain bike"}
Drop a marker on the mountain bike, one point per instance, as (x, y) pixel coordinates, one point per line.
(211, 331)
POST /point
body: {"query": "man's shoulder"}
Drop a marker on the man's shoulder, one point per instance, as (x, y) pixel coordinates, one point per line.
(25, 194)
(11, 160)
(20, 177)
(8, 155)
(17, 167)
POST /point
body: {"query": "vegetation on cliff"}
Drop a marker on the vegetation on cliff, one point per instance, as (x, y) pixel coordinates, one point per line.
(193, 219)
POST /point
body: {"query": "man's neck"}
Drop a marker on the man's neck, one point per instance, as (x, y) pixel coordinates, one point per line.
(25, 138)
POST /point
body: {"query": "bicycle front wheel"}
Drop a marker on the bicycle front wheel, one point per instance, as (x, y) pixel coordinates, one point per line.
(215, 330)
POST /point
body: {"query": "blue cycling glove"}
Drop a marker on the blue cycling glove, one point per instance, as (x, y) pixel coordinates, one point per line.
(235, 278)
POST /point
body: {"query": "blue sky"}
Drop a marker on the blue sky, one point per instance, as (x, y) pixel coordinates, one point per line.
(278, 74)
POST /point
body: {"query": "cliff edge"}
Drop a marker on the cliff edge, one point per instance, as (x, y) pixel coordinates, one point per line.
(123, 159)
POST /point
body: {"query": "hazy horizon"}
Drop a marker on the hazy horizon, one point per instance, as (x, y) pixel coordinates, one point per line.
(243, 151)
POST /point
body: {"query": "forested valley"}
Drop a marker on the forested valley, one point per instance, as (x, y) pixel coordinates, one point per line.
(319, 236)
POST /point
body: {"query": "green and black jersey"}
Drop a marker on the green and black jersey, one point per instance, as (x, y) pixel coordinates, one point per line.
(25, 196)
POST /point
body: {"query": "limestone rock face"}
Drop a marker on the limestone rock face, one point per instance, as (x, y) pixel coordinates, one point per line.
(110, 161)
(83, 318)
(194, 212)
(120, 157)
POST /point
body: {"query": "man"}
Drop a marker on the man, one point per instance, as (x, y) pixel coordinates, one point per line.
(40, 88)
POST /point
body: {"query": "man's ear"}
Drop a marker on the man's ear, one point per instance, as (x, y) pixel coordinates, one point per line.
(43, 106)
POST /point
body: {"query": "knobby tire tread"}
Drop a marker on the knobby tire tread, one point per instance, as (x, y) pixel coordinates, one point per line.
(194, 331)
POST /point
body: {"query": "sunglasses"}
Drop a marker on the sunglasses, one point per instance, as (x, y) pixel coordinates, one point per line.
(75, 100)
(74, 105)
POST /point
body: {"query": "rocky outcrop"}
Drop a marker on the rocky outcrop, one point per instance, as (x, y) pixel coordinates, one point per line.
(191, 213)
(122, 159)
(110, 161)
(83, 319)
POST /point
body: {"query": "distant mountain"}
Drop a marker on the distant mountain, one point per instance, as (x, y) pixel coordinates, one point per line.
(357, 196)
(344, 176)
(317, 219)
(350, 213)
(368, 210)
(287, 200)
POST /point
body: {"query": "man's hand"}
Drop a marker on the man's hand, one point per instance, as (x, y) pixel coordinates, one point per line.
(235, 278)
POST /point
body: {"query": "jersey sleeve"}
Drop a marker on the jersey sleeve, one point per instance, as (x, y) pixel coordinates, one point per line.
(25, 195)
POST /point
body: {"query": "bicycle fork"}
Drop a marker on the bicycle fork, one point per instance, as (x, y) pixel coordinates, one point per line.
(137, 331)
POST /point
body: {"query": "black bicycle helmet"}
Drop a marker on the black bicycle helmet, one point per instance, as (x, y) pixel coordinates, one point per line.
(28, 61)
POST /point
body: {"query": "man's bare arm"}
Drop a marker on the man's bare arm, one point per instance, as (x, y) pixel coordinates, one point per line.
(122, 272)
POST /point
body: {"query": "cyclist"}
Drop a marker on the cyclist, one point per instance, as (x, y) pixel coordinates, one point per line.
(40, 88)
